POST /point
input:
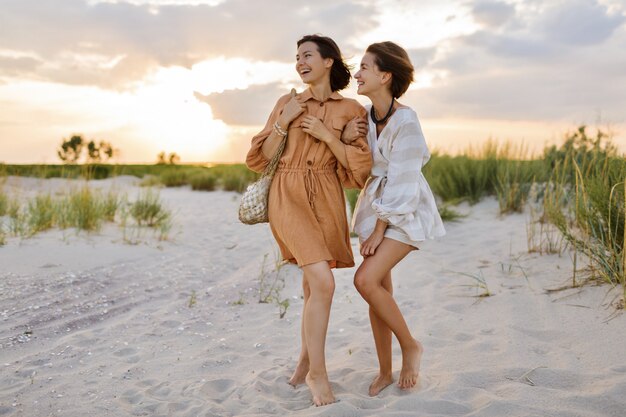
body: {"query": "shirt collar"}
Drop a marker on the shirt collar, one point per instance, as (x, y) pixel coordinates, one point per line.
(307, 94)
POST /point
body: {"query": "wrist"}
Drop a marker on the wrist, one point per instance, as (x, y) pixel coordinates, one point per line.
(380, 227)
(280, 131)
(284, 125)
(329, 138)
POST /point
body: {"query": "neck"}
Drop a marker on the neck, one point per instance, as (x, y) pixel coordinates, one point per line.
(321, 91)
(380, 101)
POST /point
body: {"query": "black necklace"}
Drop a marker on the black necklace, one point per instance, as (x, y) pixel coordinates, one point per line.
(384, 119)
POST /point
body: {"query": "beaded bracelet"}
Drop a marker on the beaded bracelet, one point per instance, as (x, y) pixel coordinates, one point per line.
(279, 130)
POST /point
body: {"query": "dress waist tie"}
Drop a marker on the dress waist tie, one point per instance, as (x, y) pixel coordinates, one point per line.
(310, 179)
(310, 185)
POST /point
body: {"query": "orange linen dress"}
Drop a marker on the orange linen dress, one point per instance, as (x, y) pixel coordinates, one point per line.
(307, 209)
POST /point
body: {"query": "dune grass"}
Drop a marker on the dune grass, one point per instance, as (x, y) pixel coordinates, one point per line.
(204, 182)
(586, 200)
(83, 209)
(40, 213)
(4, 202)
(148, 210)
(503, 170)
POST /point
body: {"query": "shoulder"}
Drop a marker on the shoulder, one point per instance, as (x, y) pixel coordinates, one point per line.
(282, 100)
(407, 129)
(352, 106)
(407, 115)
(407, 120)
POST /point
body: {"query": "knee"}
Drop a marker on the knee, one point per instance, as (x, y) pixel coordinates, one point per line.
(362, 284)
(324, 288)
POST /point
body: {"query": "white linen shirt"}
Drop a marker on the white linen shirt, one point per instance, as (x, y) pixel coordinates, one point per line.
(397, 191)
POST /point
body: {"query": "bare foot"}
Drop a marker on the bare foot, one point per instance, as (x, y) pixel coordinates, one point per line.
(410, 366)
(379, 383)
(299, 375)
(320, 389)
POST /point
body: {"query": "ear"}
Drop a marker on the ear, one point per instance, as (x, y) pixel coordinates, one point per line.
(328, 62)
(385, 78)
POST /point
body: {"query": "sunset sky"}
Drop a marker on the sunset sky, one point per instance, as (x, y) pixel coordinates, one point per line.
(199, 77)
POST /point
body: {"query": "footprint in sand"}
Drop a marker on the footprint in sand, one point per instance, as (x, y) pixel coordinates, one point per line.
(170, 323)
(619, 369)
(161, 391)
(5, 411)
(218, 390)
(463, 337)
(131, 397)
(129, 353)
(436, 407)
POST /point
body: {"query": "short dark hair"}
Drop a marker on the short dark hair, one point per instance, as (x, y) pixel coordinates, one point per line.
(390, 57)
(340, 71)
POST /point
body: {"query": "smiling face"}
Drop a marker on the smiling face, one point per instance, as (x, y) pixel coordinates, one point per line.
(310, 65)
(369, 78)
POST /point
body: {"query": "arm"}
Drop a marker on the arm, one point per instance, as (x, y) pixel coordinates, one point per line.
(368, 248)
(292, 109)
(359, 156)
(356, 128)
(265, 143)
(400, 196)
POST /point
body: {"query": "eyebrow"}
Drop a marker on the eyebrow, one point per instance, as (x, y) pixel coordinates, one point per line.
(305, 51)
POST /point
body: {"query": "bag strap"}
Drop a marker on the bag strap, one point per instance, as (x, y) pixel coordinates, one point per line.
(273, 164)
(271, 167)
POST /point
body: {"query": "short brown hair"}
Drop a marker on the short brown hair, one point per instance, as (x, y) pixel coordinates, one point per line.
(340, 71)
(392, 58)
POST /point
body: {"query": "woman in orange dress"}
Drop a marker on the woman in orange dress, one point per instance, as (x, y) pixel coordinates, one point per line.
(307, 212)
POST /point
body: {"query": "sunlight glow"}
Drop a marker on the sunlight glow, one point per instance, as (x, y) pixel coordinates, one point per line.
(433, 22)
(160, 113)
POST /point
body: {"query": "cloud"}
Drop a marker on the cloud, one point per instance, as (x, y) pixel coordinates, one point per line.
(492, 14)
(421, 57)
(579, 22)
(19, 65)
(167, 35)
(524, 73)
(510, 70)
(249, 107)
(511, 45)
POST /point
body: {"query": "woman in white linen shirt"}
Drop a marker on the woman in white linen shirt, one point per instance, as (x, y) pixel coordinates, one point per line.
(396, 210)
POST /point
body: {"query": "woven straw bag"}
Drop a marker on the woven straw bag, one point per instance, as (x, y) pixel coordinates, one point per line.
(253, 205)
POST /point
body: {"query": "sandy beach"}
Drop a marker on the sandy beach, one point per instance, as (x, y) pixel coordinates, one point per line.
(93, 326)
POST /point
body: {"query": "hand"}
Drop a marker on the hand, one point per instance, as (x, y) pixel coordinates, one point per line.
(368, 248)
(355, 128)
(292, 109)
(316, 128)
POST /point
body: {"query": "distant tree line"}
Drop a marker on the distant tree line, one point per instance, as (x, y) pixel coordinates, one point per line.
(72, 150)
(171, 159)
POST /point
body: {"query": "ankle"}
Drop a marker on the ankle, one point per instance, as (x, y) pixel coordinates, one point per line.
(410, 345)
(386, 374)
(317, 375)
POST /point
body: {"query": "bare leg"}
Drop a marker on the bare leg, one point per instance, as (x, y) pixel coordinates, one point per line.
(316, 316)
(368, 281)
(382, 339)
(302, 368)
